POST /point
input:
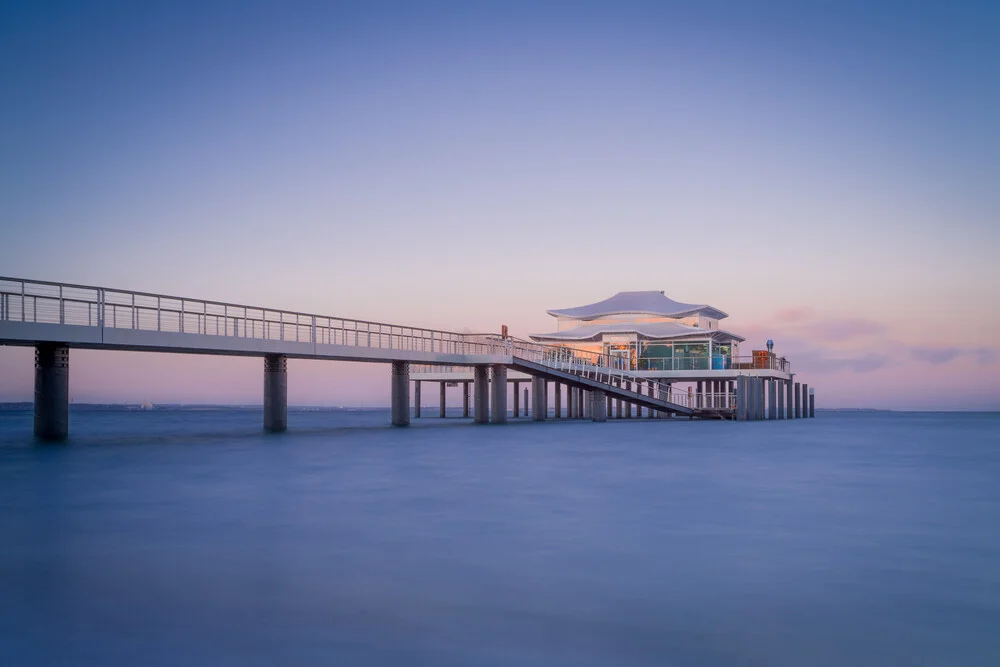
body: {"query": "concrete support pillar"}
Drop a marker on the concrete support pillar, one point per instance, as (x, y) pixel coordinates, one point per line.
(772, 399)
(400, 393)
(609, 408)
(761, 399)
(789, 400)
(743, 398)
(699, 395)
(465, 399)
(517, 400)
(628, 404)
(805, 400)
(585, 395)
(618, 402)
(444, 402)
(498, 407)
(481, 394)
(526, 402)
(812, 404)
(798, 401)
(598, 406)
(538, 399)
(780, 390)
(557, 401)
(653, 414)
(52, 391)
(416, 399)
(276, 392)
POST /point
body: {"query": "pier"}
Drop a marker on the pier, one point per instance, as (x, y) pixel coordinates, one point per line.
(56, 317)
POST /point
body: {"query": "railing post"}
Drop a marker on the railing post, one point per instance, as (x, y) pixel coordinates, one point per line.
(181, 325)
(62, 307)
(157, 313)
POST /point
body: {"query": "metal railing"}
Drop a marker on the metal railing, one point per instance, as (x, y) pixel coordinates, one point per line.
(80, 305)
(716, 363)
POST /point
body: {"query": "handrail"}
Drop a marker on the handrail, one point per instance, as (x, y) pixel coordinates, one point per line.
(68, 304)
(224, 304)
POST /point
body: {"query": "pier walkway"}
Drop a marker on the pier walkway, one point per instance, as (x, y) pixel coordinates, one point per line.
(54, 317)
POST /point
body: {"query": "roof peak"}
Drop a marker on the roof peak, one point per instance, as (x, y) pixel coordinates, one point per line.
(651, 302)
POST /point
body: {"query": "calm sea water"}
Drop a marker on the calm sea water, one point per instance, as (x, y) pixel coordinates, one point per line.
(191, 538)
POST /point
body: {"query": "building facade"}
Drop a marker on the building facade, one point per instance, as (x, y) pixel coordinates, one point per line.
(648, 331)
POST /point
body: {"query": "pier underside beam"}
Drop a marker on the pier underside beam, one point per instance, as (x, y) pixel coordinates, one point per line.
(401, 393)
(481, 394)
(51, 391)
(275, 392)
(498, 407)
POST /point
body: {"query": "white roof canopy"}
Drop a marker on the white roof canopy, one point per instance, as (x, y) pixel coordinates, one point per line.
(646, 330)
(640, 303)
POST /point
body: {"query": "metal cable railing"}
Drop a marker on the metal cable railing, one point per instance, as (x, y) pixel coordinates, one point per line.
(79, 305)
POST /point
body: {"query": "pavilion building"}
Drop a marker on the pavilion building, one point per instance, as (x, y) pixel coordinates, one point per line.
(647, 331)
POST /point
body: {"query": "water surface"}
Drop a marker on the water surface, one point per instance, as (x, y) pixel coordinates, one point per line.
(191, 538)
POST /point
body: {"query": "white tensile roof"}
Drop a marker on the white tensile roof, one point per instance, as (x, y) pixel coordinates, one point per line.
(644, 303)
(648, 330)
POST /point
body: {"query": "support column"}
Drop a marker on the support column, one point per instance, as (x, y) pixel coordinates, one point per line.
(517, 400)
(580, 403)
(587, 401)
(538, 399)
(557, 400)
(772, 399)
(798, 401)
(444, 404)
(465, 399)
(400, 393)
(628, 404)
(525, 401)
(498, 406)
(416, 399)
(761, 397)
(275, 392)
(805, 400)
(598, 406)
(609, 407)
(52, 391)
(780, 390)
(481, 394)
(812, 404)
(789, 400)
(740, 398)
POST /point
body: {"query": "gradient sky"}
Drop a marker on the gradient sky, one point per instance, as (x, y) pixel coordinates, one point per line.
(827, 173)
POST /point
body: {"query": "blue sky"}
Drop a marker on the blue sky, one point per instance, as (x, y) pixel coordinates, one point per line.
(469, 164)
